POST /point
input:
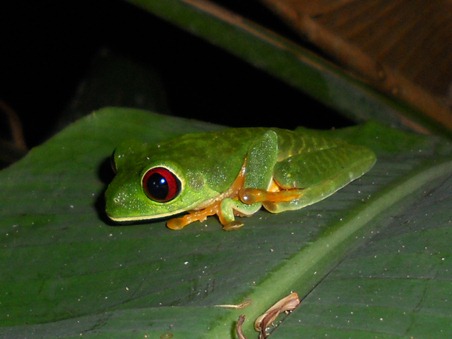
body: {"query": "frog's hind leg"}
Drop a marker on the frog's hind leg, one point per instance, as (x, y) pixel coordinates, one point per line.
(317, 175)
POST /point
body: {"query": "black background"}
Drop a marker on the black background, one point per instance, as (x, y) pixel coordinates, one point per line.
(48, 48)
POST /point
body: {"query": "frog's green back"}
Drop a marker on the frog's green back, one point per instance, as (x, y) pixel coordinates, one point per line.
(302, 141)
(216, 153)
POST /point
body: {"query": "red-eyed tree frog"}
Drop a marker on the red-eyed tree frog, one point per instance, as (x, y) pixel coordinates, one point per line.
(231, 172)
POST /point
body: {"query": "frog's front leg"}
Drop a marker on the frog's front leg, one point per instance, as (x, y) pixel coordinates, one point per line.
(192, 216)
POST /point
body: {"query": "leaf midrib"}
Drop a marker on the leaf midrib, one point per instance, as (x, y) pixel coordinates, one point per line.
(313, 262)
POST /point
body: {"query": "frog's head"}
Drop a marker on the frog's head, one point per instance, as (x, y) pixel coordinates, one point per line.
(148, 185)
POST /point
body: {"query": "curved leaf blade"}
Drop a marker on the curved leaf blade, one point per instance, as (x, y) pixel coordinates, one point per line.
(66, 271)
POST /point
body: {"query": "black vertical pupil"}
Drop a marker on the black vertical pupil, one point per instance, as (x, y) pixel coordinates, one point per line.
(157, 186)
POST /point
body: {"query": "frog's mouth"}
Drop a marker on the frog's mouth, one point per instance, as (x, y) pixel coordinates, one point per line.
(134, 217)
(142, 219)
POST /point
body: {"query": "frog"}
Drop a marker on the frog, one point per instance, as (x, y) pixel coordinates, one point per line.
(231, 173)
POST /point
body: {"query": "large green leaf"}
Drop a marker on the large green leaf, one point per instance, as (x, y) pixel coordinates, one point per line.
(372, 260)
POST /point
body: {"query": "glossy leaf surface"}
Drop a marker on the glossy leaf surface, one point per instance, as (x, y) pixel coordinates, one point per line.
(373, 259)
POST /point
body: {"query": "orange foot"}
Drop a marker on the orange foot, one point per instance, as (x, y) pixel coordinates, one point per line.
(192, 216)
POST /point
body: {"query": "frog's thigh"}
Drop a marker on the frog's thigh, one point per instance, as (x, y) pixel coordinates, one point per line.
(260, 161)
(319, 174)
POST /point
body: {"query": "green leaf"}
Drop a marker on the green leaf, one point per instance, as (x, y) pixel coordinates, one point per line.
(372, 260)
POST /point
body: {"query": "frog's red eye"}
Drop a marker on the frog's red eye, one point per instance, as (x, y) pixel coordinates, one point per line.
(160, 184)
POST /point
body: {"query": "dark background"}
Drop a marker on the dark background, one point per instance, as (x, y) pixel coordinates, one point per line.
(60, 61)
